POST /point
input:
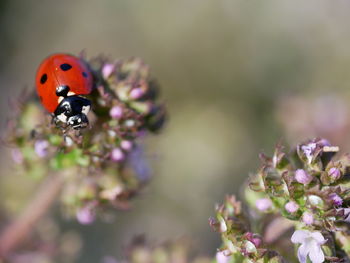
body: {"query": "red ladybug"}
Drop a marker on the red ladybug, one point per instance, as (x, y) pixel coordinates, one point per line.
(61, 79)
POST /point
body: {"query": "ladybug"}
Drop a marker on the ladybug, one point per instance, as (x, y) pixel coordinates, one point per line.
(61, 79)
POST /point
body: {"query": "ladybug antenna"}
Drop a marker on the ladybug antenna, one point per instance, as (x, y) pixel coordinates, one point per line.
(62, 91)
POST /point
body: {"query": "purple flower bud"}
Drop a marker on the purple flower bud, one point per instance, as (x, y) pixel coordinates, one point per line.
(117, 155)
(291, 207)
(336, 199)
(263, 204)
(107, 70)
(334, 173)
(126, 145)
(136, 93)
(41, 148)
(116, 112)
(86, 215)
(308, 218)
(255, 239)
(324, 142)
(303, 177)
(17, 156)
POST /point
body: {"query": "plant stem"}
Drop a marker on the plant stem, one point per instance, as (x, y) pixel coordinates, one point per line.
(15, 233)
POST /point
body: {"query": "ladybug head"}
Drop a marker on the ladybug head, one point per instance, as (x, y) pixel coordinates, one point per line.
(72, 109)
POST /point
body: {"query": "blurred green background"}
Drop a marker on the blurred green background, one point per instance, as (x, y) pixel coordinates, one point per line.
(223, 66)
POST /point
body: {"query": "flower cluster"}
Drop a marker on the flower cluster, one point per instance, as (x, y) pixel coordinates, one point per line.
(306, 185)
(306, 189)
(102, 165)
(238, 240)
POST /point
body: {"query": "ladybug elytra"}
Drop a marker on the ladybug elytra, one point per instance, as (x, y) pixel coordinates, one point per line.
(61, 79)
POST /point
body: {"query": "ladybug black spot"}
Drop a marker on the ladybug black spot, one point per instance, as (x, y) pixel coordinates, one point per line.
(43, 78)
(41, 98)
(85, 75)
(65, 67)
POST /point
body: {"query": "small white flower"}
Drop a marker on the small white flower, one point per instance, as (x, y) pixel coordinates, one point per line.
(311, 243)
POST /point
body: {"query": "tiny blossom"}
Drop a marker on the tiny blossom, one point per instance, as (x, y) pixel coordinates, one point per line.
(308, 218)
(107, 70)
(136, 93)
(222, 258)
(117, 155)
(17, 156)
(308, 150)
(263, 204)
(86, 215)
(302, 176)
(291, 207)
(126, 145)
(116, 112)
(41, 148)
(334, 173)
(311, 243)
(336, 199)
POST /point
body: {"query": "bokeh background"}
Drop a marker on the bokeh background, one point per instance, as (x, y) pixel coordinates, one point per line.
(237, 76)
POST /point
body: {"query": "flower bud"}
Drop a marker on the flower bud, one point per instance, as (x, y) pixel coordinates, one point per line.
(334, 173)
(308, 218)
(336, 199)
(263, 204)
(117, 155)
(291, 207)
(254, 238)
(116, 112)
(222, 258)
(107, 70)
(136, 93)
(86, 215)
(301, 176)
(126, 145)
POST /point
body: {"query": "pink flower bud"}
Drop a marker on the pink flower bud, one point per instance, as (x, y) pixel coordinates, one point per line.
(136, 93)
(302, 176)
(107, 70)
(308, 218)
(255, 239)
(336, 199)
(263, 204)
(117, 155)
(291, 207)
(116, 112)
(86, 215)
(334, 173)
(126, 145)
(222, 258)
(41, 148)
